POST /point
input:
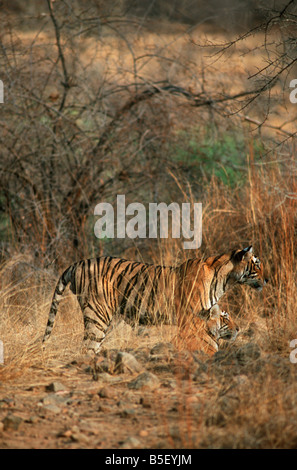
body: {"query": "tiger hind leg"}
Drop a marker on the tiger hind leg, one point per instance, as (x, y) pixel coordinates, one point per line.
(95, 332)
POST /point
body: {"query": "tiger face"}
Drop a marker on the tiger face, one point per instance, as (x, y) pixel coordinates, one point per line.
(221, 325)
(201, 335)
(248, 269)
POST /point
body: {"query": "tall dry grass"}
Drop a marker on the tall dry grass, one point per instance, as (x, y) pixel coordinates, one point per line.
(262, 212)
(54, 171)
(221, 411)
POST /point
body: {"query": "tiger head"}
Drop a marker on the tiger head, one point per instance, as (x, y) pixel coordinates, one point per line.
(247, 269)
(201, 335)
(220, 325)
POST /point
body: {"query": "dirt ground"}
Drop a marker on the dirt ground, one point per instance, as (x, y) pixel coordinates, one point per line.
(151, 397)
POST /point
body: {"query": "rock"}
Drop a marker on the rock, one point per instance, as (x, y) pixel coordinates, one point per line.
(11, 421)
(103, 365)
(248, 353)
(53, 408)
(89, 427)
(53, 399)
(108, 378)
(146, 380)
(105, 409)
(241, 380)
(145, 402)
(106, 392)
(8, 402)
(169, 383)
(32, 419)
(126, 362)
(225, 358)
(118, 334)
(66, 433)
(75, 435)
(1, 427)
(79, 437)
(131, 443)
(175, 433)
(159, 368)
(162, 349)
(142, 354)
(127, 413)
(55, 387)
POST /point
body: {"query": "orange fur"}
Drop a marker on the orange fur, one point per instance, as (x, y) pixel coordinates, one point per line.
(201, 335)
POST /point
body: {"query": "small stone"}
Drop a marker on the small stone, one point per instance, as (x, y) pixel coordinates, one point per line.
(8, 402)
(126, 362)
(169, 383)
(143, 433)
(142, 354)
(146, 380)
(248, 353)
(145, 402)
(103, 365)
(66, 433)
(11, 422)
(105, 409)
(162, 348)
(76, 435)
(106, 392)
(127, 413)
(53, 408)
(32, 419)
(54, 399)
(80, 437)
(89, 427)
(55, 387)
(241, 379)
(175, 433)
(159, 368)
(131, 443)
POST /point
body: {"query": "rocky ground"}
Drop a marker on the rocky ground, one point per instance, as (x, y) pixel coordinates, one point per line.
(153, 398)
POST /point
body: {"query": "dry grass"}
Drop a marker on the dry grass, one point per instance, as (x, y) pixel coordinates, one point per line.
(263, 213)
(223, 403)
(223, 414)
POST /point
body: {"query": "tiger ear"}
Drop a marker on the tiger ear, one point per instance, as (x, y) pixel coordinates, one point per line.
(244, 254)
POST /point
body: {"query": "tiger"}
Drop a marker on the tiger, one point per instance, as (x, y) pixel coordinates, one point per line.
(146, 293)
(204, 336)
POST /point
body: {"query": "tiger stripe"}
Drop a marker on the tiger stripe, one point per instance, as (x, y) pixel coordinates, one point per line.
(147, 293)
